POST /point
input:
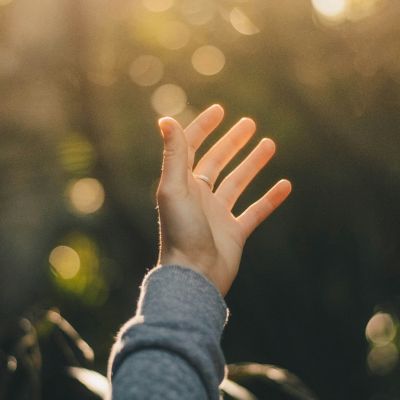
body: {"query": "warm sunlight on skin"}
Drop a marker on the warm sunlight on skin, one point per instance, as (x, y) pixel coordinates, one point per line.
(198, 229)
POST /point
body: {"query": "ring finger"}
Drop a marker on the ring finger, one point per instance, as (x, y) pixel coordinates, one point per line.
(212, 163)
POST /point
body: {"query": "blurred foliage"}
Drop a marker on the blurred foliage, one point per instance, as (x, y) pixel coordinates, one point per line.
(82, 85)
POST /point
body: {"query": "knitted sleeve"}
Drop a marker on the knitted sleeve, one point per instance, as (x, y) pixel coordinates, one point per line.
(171, 348)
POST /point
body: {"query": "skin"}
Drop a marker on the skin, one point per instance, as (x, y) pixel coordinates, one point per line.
(197, 227)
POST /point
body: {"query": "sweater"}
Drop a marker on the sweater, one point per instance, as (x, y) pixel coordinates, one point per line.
(171, 348)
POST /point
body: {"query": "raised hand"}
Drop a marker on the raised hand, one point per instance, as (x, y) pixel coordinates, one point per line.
(197, 227)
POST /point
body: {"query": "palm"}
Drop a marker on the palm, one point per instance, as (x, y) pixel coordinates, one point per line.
(198, 228)
(227, 234)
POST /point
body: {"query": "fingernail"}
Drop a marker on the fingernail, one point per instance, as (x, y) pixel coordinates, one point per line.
(165, 126)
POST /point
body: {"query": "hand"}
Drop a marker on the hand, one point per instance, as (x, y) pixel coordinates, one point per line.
(197, 227)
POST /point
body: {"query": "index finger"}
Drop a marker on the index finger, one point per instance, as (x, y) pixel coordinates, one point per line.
(198, 130)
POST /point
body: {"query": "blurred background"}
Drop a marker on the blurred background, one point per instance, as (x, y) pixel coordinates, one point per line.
(82, 85)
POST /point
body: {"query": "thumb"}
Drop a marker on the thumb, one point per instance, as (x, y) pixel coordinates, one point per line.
(174, 172)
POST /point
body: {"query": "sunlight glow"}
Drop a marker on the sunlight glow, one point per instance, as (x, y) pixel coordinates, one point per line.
(65, 262)
(92, 380)
(146, 70)
(86, 195)
(173, 35)
(382, 360)
(330, 8)
(208, 60)
(236, 391)
(242, 23)
(169, 99)
(276, 374)
(158, 5)
(380, 329)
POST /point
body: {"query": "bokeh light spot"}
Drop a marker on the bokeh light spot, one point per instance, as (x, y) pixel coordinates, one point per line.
(380, 329)
(12, 363)
(382, 360)
(330, 8)
(158, 5)
(187, 116)
(146, 70)
(86, 195)
(86, 282)
(242, 23)
(198, 12)
(169, 99)
(76, 154)
(65, 262)
(173, 35)
(208, 60)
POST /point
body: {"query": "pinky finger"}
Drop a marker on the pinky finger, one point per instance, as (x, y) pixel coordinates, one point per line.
(262, 208)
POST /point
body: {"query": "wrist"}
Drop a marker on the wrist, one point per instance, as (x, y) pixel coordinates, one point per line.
(178, 259)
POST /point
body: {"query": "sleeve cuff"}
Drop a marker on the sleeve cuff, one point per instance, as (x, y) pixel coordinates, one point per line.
(180, 311)
(168, 289)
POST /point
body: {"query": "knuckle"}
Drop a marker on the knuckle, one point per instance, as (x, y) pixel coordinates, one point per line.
(235, 140)
(169, 152)
(168, 191)
(192, 148)
(164, 192)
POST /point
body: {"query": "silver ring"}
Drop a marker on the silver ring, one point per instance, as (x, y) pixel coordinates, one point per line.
(205, 179)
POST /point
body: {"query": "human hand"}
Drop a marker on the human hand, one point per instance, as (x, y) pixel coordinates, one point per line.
(197, 227)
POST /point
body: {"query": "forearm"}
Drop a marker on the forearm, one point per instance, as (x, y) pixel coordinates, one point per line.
(171, 349)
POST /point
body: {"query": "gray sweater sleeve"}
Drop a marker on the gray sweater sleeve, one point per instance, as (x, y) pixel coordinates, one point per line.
(171, 348)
